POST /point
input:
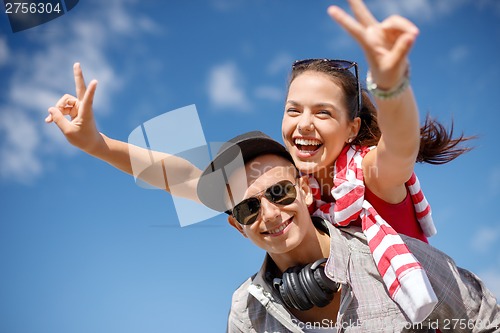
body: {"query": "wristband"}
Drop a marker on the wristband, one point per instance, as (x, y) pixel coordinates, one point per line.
(389, 93)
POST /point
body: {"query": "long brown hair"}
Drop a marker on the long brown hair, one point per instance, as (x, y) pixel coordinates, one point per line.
(437, 145)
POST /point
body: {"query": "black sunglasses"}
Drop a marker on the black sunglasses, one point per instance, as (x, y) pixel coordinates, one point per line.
(337, 65)
(282, 193)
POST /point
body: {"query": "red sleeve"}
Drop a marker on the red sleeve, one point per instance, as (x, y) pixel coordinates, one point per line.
(400, 216)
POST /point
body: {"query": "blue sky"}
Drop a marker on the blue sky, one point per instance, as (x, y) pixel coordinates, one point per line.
(84, 249)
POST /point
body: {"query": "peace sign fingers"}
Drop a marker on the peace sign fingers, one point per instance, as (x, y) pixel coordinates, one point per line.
(84, 95)
(361, 13)
(80, 86)
(386, 44)
(353, 27)
(81, 130)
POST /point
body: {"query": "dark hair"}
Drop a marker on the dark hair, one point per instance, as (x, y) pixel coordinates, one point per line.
(437, 145)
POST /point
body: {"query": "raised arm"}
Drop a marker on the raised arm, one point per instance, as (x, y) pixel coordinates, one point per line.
(81, 131)
(386, 46)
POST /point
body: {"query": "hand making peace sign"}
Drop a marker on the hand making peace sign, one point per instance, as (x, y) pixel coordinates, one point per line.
(386, 44)
(81, 131)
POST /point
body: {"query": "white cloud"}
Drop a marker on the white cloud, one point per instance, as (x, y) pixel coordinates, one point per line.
(225, 87)
(459, 54)
(485, 238)
(121, 21)
(147, 25)
(270, 93)
(340, 42)
(404, 8)
(414, 9)
(282, 63)
(18, 151)
(43, 73)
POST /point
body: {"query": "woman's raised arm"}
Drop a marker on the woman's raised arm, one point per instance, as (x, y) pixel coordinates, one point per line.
(386, 46)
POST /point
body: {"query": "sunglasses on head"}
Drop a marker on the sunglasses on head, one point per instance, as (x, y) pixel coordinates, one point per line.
(282, 193)
(340, 65)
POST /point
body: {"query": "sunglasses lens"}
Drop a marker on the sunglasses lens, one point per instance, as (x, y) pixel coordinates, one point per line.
(246, 212)
(301, 62)
(340, 64)
(282, 193)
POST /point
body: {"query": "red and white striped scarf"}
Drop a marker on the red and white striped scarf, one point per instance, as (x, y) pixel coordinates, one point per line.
(401, 272)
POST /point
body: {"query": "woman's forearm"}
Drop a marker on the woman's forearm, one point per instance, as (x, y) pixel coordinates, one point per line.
(399, 123)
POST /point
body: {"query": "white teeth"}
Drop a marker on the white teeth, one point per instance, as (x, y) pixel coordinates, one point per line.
(280, 228)
(307, 142)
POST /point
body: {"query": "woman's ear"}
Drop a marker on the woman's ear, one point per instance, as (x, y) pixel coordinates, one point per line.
(234, 223)
(355, 126)
(306, 189)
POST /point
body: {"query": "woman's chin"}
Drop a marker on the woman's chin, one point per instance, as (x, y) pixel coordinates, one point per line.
(306, 166)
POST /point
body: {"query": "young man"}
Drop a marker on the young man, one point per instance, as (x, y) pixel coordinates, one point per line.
(254, 180)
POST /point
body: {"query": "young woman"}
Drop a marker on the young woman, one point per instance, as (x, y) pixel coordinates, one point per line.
(326, 113)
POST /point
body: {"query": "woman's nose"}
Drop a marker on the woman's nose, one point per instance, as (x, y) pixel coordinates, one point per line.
(305, 123)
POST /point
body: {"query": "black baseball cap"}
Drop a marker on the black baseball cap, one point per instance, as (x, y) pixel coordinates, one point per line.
(213, 185)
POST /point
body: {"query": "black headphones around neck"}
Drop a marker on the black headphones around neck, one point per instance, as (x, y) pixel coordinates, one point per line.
(302, 287)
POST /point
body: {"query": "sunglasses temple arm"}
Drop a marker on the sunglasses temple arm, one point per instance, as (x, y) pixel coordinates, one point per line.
(359, 88)
(230, 194)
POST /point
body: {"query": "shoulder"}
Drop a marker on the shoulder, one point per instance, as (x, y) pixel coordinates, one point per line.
(424, 250)
(239, 320)
(441, 269)
(367, 160)
(439, 266)
(239, 300)
(461, 293)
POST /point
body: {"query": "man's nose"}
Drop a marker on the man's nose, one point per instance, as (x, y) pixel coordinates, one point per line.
(269, 210)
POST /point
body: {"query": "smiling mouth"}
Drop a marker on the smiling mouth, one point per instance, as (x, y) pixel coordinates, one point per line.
(307, 145)
(279, 229)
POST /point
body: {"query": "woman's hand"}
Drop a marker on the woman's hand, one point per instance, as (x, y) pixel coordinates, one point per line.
(386, 44)
(81, 131)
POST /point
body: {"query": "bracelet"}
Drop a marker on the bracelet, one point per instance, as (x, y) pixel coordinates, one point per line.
(389, 93)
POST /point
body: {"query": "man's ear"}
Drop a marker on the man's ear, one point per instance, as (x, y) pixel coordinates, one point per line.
(306, 190)
(234, 223)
